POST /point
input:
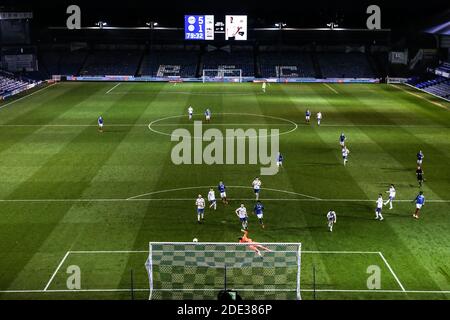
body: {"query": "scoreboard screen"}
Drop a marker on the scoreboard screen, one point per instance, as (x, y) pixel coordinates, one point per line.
(199, 27)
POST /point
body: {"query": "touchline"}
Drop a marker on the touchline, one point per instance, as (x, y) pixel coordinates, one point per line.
(229, 149)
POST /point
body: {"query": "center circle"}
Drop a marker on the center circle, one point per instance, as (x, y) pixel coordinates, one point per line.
(154, 123)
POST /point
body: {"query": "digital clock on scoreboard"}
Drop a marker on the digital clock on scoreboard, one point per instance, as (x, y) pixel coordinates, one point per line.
(199, 27)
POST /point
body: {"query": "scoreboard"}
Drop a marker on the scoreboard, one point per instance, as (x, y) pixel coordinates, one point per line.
(199, 27)
(202, 27)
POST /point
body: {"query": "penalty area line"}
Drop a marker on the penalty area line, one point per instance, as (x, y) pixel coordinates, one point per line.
(331, 88)
(392, 271)
(113, 88)
(56, 271)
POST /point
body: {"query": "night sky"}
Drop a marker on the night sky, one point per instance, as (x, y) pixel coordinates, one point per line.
(395, 14)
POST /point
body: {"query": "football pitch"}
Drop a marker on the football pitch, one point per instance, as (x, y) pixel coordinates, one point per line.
(72, 196)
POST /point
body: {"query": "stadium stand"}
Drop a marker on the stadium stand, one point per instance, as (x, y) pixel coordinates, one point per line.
(230, 60)
(345, 65)
(9, 84)
(170, 63)
(286, 65)
(439, 86)
(114, 62)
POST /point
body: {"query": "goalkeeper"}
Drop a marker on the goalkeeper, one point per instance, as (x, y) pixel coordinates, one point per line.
(253, 246)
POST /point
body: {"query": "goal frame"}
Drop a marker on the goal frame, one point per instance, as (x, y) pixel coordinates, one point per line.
(221, 77)
(149, 262)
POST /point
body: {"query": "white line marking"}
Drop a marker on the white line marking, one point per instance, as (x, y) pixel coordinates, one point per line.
(56, 271)
(113, 88)
(190, 199)
(419, 96)
(392, 271)
(205, 187)
(331, 88)
(243, 289)
(26, 96)
(295, 125)
(225, 124)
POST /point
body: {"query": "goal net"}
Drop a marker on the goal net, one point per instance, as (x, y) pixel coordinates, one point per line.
(222, 75)
(200, 271)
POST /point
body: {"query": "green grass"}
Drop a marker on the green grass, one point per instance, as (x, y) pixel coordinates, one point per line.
(50, 150)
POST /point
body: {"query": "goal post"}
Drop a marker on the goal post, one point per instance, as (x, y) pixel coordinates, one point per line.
(201, 271)
(222, 75)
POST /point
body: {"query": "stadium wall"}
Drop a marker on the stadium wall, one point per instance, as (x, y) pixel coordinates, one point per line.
(244, 79)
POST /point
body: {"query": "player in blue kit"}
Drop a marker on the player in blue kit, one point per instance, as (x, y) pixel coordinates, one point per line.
(420, 202)
(420, 157)
(223, 192)
(307, 115)
(258, 210)
(207, 115)
(280, 159)
(100, 124)
(342, 139)
(331, 218)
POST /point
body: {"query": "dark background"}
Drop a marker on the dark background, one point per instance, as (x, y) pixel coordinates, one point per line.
(398, 15)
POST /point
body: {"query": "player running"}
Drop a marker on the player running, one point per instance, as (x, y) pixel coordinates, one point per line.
(379, 202)
(212, 199)
(256, 187)
(307, 115)
(420, 157)
(280, 159)
(391, 192)
(419, 174)
(258, 210)
(241, 212)
(190, 112)
(420, 202)
(345, 153)
(252, 245)
(331, 218)
(264, 86)
(223, 192)
(207, 115)
(200, 203)
(319, 118)
(100, 124)
(342, 139)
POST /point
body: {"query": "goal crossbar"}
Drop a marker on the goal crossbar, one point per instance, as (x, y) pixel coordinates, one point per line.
(222, 75)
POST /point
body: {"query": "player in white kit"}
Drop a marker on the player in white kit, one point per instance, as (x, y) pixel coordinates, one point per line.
(331, 218)
(345, 153)
(200, 203)
(241, 212)
(379, 201)
(319, 118)
(212, 199)
(392, 193)
(190, 112)
(256, 187)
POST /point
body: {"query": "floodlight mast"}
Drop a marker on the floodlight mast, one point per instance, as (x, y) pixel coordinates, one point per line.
(280, 26)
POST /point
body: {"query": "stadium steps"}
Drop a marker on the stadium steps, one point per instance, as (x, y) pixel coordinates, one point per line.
(83, 64)
(140, 64)
(199, 70)
(316, 66)
(373, 63)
